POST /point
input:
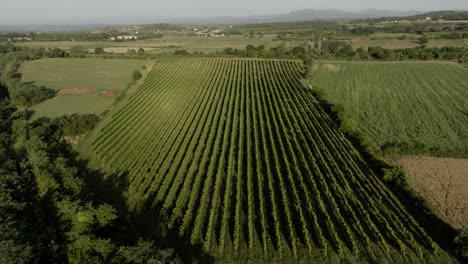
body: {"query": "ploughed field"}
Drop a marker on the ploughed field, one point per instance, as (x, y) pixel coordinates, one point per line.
(416, 104)
(236, 155)
(443, 182)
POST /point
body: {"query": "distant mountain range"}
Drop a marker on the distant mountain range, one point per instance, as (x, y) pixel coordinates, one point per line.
(299, 15)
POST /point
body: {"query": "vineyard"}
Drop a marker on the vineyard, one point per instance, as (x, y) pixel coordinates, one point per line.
(236, 155)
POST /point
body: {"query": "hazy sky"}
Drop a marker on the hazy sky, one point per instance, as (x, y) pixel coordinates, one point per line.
(46, 11)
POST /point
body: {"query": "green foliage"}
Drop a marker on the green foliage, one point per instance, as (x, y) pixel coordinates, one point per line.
(75, 124)
(181, 52)
(24, 94)
(99, 50)
(418, 95)
(29, 95)
(461, 245)
(260, 165)
(423, 40)
(143, 252)
(131, 52)
(396, 176)
(136, 75)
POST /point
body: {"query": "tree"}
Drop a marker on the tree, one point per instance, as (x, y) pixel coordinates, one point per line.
(229, 51)
(423, 40)
(181, 52)
(143, 252)
(131, 52)
(56, 53)
(136, 75)
(141, 51)
(99, 51)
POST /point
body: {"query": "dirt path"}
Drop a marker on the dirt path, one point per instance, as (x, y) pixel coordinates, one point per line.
(443, 182)
(149, 67)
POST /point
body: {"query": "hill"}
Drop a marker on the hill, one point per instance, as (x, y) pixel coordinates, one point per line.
(450, 15)
(294, 16)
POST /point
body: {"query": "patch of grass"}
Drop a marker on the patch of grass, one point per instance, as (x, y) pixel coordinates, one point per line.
(72, 104)
(366, 42)
(402, 104)
(102, 74)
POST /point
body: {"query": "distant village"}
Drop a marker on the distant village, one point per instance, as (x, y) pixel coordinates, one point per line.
(209, 33)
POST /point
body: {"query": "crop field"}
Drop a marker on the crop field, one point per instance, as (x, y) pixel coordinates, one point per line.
(168, 44)
(385, 41)
(443, 182)
(420, 104)
(237, 156)
(82, 82)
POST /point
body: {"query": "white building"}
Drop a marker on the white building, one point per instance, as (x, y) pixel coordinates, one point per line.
(124, 37)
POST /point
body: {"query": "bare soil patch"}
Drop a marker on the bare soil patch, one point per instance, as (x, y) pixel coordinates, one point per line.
(112, 92)
(77, 91)
(443, 182)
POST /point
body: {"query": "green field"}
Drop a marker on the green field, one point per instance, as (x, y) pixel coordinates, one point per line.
(238, 156)
(401, 103)
(168, 44)
(101, 74)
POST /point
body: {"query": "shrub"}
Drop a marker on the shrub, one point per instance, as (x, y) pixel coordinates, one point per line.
(74, 125)
(396, 175)
(136, 75)
(461, 245)
(181, 52)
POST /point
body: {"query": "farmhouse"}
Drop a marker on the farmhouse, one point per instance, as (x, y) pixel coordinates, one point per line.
(213, 33)
(124, 37)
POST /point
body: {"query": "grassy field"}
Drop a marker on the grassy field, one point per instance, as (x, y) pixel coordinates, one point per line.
(365, 42)
(238, 157)
(401, 103)
(382, 41)
(101, 74)
(168, 43)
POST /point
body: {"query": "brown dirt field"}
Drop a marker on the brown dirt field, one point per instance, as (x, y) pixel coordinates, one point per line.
(77, 91)
(112, 92)
(443, 182)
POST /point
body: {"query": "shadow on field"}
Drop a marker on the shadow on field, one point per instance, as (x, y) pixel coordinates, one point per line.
(424, 214)
(142, 223)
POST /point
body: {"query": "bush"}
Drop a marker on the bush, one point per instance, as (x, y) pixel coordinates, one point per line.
(396, 176)
(461, 245)
(131, 52)
(136, 75)
(74, 125)
(99, 51)
(181, 52)
(29, 95)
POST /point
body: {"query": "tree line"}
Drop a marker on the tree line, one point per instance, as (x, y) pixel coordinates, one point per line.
(49, 213)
